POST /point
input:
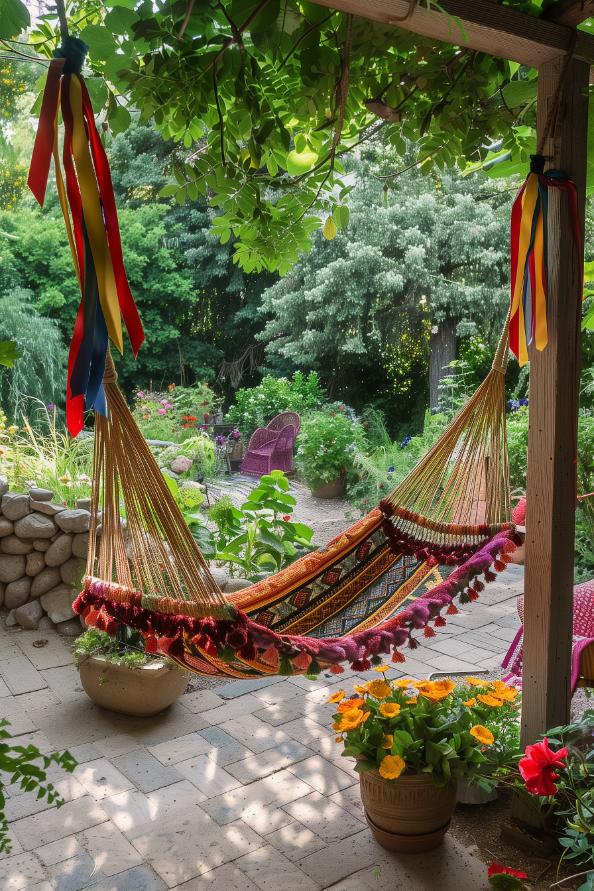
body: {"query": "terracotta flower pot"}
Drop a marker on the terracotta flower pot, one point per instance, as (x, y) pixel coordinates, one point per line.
(334, 489)
(410, 814)
(141, 691)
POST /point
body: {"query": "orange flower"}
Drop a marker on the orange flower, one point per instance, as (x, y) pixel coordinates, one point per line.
(420, 685)
(490, 700)
(336, 697)
(412, 700)
(503, 691)
(360, 688)
(388, 741)
(347, 704)
(338, 739)
(381, 668)
(470, 703)
(389, 709)
(482, 734)
(350, 720)
(403, 683)
(391, 767)
(475, 682)
(437, 690)
(379, 689)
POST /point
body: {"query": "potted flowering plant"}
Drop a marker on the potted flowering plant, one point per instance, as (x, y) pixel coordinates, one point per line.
(413, 741)
(232, 447)
(328, 442)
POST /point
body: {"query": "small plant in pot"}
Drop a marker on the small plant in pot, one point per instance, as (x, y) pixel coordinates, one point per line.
(118, 674)
(327, 444)
(413, 741)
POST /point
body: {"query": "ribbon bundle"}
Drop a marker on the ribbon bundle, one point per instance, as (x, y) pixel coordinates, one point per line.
(90, 215)
(528, 316)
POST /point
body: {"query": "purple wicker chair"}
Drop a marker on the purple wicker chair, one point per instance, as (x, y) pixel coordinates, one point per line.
(271, 448)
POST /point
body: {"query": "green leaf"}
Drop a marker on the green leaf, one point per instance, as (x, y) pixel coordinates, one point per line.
(120, 119)
(340, 215)
(519, 92)
(9, 353)
(100, 41)
(14, 18)
(97, 91)
(298, 163)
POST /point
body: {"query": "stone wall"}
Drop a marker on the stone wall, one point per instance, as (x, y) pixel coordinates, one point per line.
(43, 548)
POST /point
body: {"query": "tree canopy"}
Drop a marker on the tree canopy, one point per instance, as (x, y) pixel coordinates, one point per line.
(265, 97)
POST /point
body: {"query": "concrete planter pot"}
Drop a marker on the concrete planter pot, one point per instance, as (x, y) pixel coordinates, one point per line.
(409, 815)
(334, 489)
(141, 691)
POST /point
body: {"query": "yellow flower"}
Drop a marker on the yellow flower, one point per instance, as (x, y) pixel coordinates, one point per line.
(412, 700)
(470, 703)
(338, 739)
(420, 685)
(490, 700)
(403, 683)
(391, 767)
(360, 688)
(12, 429)
(347, 704)
(389, 709)
(381, 668)
(337, 697)
(388, 741)
(475, 682)
(503, 691)
(437, 690)
(379, 689)
(483, 734)
(350, 720)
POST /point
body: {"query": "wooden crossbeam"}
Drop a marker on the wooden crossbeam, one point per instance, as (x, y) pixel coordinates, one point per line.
(478, 24)
(570, 12)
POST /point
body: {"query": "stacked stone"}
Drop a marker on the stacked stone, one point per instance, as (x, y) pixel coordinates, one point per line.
(43, 548)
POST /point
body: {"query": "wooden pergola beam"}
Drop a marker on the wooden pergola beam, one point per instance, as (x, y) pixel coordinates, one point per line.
(570, 12)
(478, 24)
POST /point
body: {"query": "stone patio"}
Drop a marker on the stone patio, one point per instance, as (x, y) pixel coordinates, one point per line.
(239, 786)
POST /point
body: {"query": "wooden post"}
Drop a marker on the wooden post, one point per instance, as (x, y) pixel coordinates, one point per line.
(554, 397)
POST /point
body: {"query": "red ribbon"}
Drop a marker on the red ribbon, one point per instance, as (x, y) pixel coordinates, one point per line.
(44, 139)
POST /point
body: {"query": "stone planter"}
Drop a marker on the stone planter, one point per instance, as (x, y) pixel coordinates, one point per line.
(334, 489)
(408, 815)
(142, 691)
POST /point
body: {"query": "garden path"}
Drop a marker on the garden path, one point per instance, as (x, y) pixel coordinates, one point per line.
(237, 787)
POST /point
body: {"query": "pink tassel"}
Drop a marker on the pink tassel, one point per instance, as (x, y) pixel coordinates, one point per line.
(302, 661)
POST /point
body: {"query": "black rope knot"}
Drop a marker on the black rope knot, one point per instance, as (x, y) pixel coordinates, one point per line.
(74, 50)
(537, 164)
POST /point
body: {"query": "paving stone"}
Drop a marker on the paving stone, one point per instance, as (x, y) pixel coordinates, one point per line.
(65, 681)
(101, 779)
(116, 745)
(53, 654)
(145, 771)
(201, 701)
(175, 721)
(181, 749)
(295, 841)
(85, 752)
(134, 812)
(254, 767)
(341, 858)
(22, 805)
(50, 825)
(78, 721)
(280, 692)
(238, 688)
(452, 664)
(261, 735)
(4, 691)
(318, 738)
(322, 776)
(19, 721)
(278, 789)
(267, 819)
(20, 871)
(207, 776)
(20, 676)
(223, 878)
(139, 878)
(111, 852)
(58, 851)
(243, 705)
(224, 749)
(270, 870)
(74, 874)
(501, 632)
(36, 700)
(324, 817)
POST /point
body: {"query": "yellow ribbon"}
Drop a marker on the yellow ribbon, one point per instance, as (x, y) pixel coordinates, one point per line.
(95, 227)
(63, 201)
(528, 205)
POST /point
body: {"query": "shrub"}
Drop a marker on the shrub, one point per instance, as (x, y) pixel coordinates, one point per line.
(328, 442)
(175, 415)
(255, 406)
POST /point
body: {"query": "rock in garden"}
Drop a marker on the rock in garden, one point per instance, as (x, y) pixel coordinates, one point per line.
(35, 563)
(221, 576)
(45, 581)
(71, 627)
(15, 506)
(6, 527)
(58, 603)
(80, 545)
(45, 624)
(10, 620)
(72, 571)
(74, 520)
(2, 589)
(83, 503)
(41, 544)
(17, 592)
(59, 551)
(11, 567)
(13, 545)
(181, 464)
(29, 614)
(3, 486)
(35, 526)
(41, 494)
(46, 507)
(236, 585)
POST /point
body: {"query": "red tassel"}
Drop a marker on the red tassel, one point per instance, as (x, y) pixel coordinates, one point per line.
(472, 595)
(413, 644)
(499, 565)
(150, 644)
(301, 661)
(440, 622)
(270, 657)
(429, 632)
(397, 656)
(336, 669)
(452, 610)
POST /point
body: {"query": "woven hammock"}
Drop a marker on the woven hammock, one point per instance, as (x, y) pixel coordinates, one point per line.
(393, 573)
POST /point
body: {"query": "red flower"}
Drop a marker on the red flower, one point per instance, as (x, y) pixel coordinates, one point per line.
(505, 878)
(287, 518)
(496, 869)
(538, 767)
(189, 418)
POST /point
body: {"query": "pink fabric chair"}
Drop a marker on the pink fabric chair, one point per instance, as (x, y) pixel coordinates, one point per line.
(271, 447)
